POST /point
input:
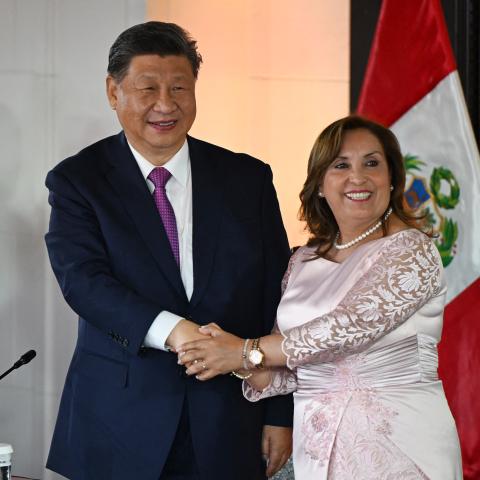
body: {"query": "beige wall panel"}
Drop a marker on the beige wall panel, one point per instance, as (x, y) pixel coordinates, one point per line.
(292, 115)
(224, 104)
(275, 73)
(302, 39)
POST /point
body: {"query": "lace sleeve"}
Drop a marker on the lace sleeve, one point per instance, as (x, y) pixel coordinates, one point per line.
(284, 381)
(404, 276)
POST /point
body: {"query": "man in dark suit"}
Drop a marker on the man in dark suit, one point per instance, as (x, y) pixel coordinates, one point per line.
(152, 233)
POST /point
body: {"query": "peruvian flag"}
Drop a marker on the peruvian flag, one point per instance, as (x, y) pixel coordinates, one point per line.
(412, 85)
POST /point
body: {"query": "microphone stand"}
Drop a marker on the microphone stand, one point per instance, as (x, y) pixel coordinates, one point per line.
(7, 372)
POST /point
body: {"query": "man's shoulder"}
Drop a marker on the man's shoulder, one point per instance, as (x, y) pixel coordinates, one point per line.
(235, 159)
(93, 156)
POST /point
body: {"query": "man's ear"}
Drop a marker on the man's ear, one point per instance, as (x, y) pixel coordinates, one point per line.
(112, 91)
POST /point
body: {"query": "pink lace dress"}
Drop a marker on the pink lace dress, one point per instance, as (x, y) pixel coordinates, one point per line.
(361, 337)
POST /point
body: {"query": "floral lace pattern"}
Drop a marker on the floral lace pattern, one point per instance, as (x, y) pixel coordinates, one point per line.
(283, 382)
(323, 414)
(363, 449)
(403, 277)
(320, 422)
(348, 431)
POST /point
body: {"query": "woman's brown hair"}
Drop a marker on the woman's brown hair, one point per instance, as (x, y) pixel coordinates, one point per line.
(315, 211)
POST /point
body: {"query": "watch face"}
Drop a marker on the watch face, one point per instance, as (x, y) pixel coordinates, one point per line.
(256, 357)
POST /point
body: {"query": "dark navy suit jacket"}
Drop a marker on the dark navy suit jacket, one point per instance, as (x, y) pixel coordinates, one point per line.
(122, 402)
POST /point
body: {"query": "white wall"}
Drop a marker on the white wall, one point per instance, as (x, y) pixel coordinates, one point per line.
(53, 58)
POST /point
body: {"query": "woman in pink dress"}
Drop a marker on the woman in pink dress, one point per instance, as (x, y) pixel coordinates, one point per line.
(357, 326)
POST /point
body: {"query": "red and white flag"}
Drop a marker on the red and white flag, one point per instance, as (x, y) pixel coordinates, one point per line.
(412, 85)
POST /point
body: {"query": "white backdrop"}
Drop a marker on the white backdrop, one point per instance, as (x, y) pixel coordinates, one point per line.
(53, 59)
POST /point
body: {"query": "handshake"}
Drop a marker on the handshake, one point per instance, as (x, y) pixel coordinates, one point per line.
(208, 351)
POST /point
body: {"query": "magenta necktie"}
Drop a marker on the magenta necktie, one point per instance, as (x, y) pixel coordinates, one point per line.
(159, 177)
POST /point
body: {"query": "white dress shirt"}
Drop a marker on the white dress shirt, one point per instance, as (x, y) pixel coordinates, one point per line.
(179, 193)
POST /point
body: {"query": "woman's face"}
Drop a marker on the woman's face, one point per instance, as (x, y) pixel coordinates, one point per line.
(356, 185)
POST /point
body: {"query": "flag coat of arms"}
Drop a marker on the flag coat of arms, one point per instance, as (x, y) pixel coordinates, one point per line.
(412, 86)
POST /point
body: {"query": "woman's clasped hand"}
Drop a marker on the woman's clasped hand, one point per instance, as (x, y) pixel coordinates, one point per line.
(219, 353)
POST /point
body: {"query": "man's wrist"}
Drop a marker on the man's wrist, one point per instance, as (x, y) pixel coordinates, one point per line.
(160, 330)
(178, 334)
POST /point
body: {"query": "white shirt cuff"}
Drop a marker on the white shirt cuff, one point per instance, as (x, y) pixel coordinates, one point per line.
(160, 329)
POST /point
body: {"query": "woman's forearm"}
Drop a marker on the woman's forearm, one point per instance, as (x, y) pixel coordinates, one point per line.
(260, 379)
(271, 346)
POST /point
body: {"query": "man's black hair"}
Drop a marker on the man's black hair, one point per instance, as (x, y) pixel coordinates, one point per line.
(151, 38)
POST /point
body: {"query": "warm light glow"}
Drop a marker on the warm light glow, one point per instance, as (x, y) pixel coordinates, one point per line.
(275, 73)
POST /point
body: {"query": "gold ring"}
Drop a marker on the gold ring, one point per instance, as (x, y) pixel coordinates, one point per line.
(204, 365)
(195, 361)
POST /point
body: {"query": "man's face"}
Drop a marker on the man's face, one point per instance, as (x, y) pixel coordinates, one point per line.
(155, 104)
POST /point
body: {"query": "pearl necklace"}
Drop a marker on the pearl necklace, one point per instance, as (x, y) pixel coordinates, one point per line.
(363, 235)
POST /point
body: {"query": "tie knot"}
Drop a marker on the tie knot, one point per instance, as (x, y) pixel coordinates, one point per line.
(159, 176)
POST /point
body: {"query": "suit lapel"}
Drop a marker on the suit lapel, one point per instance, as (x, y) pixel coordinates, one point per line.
(207, 193)
(126, 179)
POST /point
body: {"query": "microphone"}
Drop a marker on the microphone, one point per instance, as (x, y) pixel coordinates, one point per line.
(24, 359)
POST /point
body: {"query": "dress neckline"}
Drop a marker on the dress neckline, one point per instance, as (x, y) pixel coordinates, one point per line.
(365, 244)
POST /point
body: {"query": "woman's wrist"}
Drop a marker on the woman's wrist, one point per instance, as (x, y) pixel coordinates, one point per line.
(260, 379)
(245, 353)
(256, 356)
(271, 346)
(243, 373)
